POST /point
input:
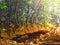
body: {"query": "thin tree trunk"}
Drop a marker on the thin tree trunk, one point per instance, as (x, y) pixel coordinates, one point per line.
(16, 11)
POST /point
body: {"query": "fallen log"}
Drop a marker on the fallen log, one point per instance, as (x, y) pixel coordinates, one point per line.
(20, 38)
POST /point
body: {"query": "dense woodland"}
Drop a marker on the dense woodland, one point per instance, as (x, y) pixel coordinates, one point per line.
(29, 22)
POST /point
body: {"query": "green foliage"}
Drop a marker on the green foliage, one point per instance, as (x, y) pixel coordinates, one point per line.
(48, 10)
(2, 5)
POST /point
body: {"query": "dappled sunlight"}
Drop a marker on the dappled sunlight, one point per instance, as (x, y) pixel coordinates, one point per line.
(30, 28)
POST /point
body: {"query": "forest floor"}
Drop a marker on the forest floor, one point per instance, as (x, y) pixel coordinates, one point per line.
(28, 42)
(31, 38)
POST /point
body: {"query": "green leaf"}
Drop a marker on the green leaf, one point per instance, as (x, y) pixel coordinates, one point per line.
(2, 6)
